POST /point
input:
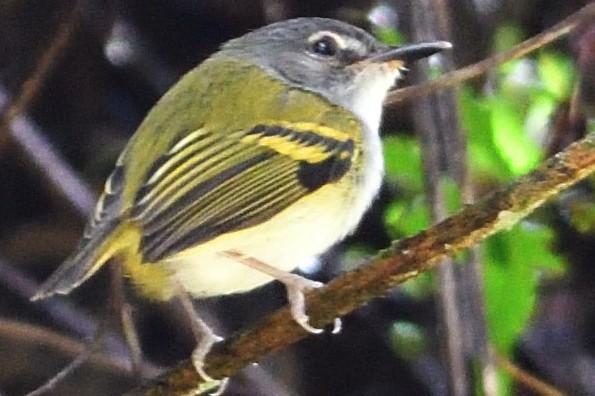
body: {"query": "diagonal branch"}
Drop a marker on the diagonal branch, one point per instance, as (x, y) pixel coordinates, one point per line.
(403, 260)
(31, 87)
(584, 15)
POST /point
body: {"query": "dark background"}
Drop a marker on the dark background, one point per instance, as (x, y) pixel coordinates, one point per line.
(87, 107)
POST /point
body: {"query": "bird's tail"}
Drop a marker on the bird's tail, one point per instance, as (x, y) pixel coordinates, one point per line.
(92, 252)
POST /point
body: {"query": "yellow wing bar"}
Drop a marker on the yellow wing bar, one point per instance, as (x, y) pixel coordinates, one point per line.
(301, 141)
(209, 184)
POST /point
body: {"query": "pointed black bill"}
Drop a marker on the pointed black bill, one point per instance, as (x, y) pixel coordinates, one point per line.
(411, 52)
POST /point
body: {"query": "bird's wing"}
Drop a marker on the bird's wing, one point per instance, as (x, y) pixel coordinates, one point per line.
(108, 205)
(99, 242)
(209, 184)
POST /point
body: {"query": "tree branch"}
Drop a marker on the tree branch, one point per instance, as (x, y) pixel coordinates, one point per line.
(456, 77)
(403, 260)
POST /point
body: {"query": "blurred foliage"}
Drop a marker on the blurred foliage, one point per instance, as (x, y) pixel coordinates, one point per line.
(506, 127)
(388, 35)
(409, 340)
(582, 214)
(512, 263)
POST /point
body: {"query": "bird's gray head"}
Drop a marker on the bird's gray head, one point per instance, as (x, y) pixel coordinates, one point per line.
(339, 61)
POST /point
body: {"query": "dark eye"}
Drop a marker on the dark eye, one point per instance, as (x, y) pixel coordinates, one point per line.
(326, 46)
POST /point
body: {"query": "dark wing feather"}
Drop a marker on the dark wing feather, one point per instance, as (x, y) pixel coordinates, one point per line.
(209, 184)
(107, 207)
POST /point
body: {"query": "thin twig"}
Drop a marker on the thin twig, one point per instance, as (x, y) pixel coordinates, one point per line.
(63, 314)
(20, 130)
(90, 349)
(123, 312)
(456, 77)
(25, 335)
(47, 161)
(32, 85)
(526, 379)
(403, 260)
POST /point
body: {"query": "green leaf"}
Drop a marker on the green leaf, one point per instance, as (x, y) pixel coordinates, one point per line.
(388, 36)
(539, 115)
(420, 288)
(408, 339)
(518, 151)
(484, 157)
(518, 83)
(582, 214)
(452, 194)
(557, 74)
(402, 159)
(511, 273)
(406, 217)
(506, 37)
(513, 262)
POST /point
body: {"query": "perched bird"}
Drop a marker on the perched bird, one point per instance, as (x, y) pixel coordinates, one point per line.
(260, 158)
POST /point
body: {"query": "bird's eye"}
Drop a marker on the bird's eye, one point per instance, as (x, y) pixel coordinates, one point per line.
(325, 45)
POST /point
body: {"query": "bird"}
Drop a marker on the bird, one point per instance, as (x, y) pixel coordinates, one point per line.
(264, 155)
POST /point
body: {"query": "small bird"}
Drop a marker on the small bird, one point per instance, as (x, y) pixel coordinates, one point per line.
(261, 157)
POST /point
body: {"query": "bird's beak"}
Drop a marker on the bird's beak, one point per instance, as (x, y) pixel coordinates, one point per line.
(409, 53)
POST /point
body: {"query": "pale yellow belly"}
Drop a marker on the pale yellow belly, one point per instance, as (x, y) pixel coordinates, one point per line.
(303, 230)
(292, 237)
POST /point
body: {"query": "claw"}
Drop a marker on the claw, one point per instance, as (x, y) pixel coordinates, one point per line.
(296, 286)
(205, 339)
(222, 385)
(205, 343)
(337, 326)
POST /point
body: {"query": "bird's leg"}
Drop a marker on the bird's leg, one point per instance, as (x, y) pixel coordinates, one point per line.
(295, 285)
(131, 337)
(205, 339)
(123, 311)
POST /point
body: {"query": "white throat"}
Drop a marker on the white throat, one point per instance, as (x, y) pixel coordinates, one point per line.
(367, 95)
(365, 101)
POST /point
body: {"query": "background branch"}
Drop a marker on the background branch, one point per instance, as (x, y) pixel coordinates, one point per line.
(526, 379)
(33, 84)
(19, 130)
(443, 150)
(456, 77)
